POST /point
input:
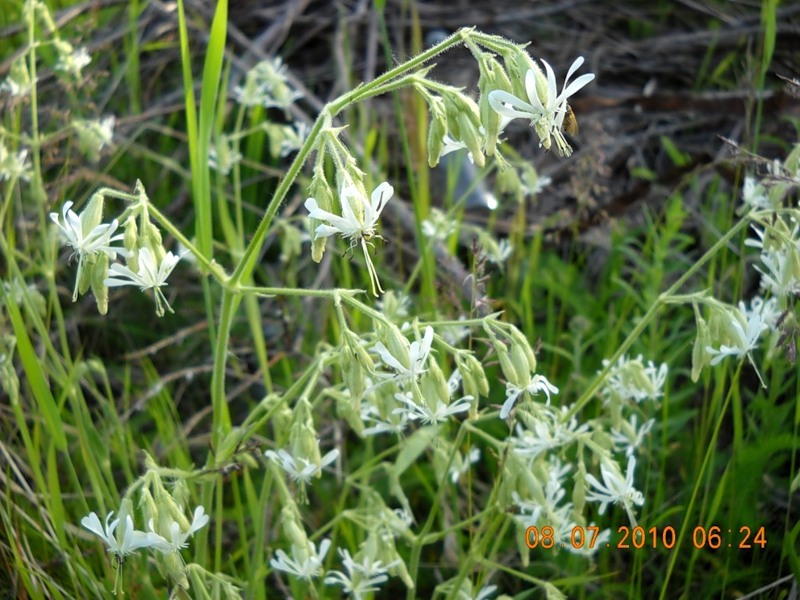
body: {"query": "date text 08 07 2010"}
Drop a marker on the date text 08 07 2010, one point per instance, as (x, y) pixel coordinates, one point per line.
(712, 537)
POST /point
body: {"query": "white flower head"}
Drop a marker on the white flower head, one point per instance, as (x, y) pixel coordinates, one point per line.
(298, 468)
(615, 489)
(546, 433)
(632, 379)
(72, 61)
(94, 135)
(123, 542)
(266, 85)
(547, 114)
(629, 437)
(538, 383)
(14, 165)
(755, 195)
(149, 276)
(361, 577)
(86, 240)
(418, 353)
(306, 562)
(178, 538)
(439, 413)
(358, 220)
(743, 332)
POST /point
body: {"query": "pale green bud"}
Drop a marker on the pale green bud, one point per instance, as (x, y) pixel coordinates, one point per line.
(436, 131)
(291, 242)
(507, 366)
(396, 343)
(92, 214)
(321, 191)
(99, 270)
(520, 362)
(436, 385)
(493, 77)
(700, 358)
(152, 239)
(148, 506)
(131, 236)
(473, 376)
(84, 276)
(291, 527)
(518, 339)
(472, 138)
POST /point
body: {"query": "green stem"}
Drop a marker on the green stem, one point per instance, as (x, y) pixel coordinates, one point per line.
(689, 517)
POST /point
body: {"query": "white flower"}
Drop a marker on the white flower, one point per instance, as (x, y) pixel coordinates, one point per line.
(359, 216)
(14, 164)
(266, 85)
(743, 333)
(362, 577)
(431, 416)
(615, 489)
(127, 540)
(301, 469)
(358, 221)
(294, 136)
(87, 243)
(149, 275)
(754, 194)
(418, 353)
(548, 115)
(394, 423)
(304, 564)
(178, 539)
(18, 83)
(546, 433)
(73, 62)
(780, 273)
(631, 379)
(767, 309)
(223, 155)
(538, 383)
(94, 134)
(628, 438)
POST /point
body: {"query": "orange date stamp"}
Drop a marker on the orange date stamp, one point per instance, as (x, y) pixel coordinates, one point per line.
(712, 538)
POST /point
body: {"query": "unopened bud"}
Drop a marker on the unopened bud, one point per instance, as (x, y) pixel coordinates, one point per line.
(436, 131)
(99, 271)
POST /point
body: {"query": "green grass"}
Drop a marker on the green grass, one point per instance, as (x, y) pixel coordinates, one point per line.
(151, 417)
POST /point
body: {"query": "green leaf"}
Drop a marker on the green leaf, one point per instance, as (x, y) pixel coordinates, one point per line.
(33, 372)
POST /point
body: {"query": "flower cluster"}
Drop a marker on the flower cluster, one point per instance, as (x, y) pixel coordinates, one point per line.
(148, 264)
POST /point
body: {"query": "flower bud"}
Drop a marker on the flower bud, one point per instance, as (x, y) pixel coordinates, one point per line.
(493, 77)
(291, 527)
(99, 271)
(700, 358)
(131, 236)
(321, 191)
(92, 214)
(436, 131)
(509, 371)
(518, 339)
(396, 343)
(520, 362)
(152, 239)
